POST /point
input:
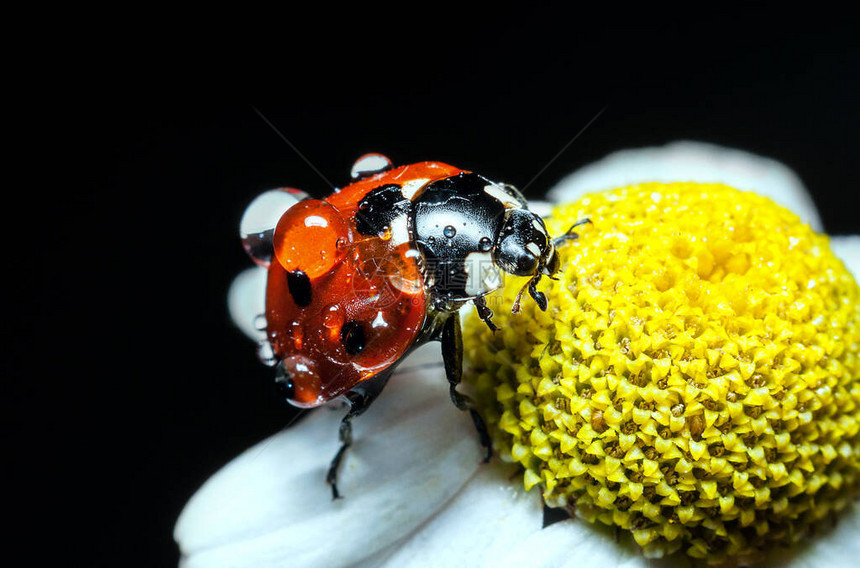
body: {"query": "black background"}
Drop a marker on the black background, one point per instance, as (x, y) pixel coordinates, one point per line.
(130, 386)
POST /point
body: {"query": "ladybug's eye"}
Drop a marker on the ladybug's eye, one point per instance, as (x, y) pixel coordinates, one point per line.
(552, 265)
(516, 258)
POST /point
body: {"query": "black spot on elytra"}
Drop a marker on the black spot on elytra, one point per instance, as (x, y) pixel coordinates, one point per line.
(379, 207)
(352, 337)
(300, 287)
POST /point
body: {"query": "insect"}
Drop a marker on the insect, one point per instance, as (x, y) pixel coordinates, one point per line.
(359, 279)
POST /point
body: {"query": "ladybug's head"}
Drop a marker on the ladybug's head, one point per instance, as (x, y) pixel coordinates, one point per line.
(524, 248)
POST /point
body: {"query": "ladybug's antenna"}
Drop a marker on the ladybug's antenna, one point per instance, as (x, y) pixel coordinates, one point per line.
(290, 144)
(560, 152)
(570, 235)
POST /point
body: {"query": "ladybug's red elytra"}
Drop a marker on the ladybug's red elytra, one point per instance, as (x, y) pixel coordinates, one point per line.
(359, 279)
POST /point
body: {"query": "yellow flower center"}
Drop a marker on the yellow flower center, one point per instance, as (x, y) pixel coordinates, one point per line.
(696, 378)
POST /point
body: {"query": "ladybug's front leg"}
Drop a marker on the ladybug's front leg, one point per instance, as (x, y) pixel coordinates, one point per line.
(452, 355)
(360, 400)
(484, 312)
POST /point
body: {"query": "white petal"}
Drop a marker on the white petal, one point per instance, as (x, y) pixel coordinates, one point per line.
(413, 452)
(575, 543)
(693, 161)
(483, 522)
(847, 249)
(542, 208)
(246, 300)
(836, 548)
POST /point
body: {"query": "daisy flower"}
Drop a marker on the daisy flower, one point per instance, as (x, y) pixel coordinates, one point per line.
(659, 439)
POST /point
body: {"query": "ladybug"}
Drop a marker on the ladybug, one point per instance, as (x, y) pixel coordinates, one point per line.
(359, 279)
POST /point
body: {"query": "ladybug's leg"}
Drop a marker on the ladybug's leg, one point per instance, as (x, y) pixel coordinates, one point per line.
(452, 355)
(360, 400)
(538, 297)
(484, 312)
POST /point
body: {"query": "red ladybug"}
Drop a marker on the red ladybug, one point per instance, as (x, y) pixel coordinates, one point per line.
(359, 279)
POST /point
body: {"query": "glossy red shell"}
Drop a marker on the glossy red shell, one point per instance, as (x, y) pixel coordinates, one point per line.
(355, 280)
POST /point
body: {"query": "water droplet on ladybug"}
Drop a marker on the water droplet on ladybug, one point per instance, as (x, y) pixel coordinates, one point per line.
(301, 380)
(284, 383)
(306, 238)
(260, 218)
(265, 354)
(431, 240)
(449, 231)
(260, 322)
(333, 318)
(297, 334)
(370, 164)
(485, 244)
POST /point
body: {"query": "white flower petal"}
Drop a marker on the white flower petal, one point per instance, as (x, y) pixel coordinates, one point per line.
(693, 161)
(542, 208)
(246, 299)
(575, 543)
(378, 559)
(413, 452)
(847, 249)
(489, 516)
(415, 493)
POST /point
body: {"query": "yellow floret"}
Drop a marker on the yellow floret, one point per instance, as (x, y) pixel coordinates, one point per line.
(696, 378)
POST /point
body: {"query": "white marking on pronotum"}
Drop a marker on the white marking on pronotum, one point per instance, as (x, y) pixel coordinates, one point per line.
(409, 188)
(400, 230)
(482, 275)
(513, 191)
(498, 193)
(538, 226)
(533, 248)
